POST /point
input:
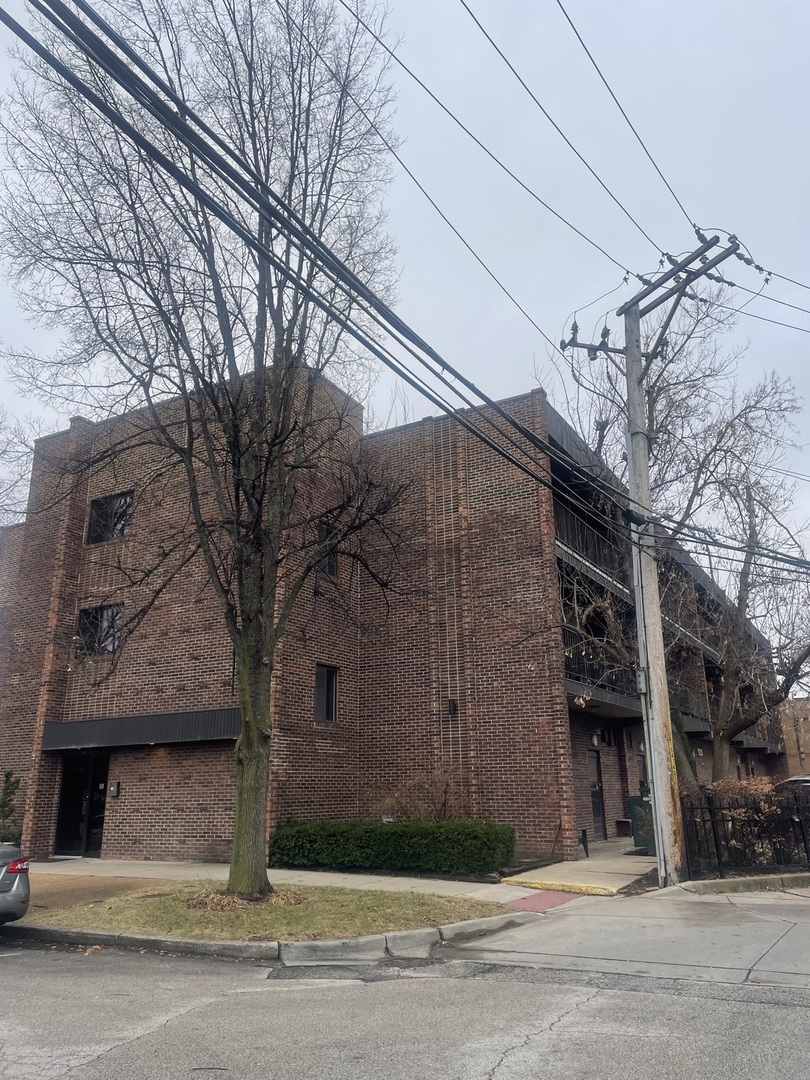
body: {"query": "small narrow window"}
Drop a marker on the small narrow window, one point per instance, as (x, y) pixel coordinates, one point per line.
(110, 517)
(100, 630)
(325, 694)
(328, 562)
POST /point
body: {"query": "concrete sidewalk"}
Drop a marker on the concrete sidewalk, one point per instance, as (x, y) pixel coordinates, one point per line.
(193, 871)
(671, 934)
(608, 869)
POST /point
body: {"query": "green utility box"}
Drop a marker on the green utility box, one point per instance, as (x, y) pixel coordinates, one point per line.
(640, 807)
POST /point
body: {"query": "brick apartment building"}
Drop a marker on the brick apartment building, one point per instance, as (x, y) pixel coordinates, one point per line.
(794, 716)
(466, 666)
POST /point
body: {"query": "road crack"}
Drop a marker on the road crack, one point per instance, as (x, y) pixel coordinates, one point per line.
(524, 1042)
(136, 1037)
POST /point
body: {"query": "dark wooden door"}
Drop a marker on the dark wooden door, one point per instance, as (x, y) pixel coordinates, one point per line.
(81, 804)
(597, 800)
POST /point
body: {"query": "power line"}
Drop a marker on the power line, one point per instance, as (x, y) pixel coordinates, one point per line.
(765, 296)
(90, 45)
(641, 142)
(750, 314)
(792, 281)
(178, 126)
(463, 127)
(422, 189)
(556, 126)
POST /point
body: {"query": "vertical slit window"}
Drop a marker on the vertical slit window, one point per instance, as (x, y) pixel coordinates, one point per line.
(326, 679)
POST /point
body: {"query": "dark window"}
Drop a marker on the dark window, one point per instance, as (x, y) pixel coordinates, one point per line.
(325, 694)
(100, 629)
(110, 517)
(328, 562)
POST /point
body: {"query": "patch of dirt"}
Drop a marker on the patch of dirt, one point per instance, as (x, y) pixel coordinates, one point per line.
(641, 885)
(64, 890)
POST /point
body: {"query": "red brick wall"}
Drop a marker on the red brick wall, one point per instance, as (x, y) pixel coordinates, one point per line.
(176, 802)
(473, 621)
(795, 718)
(41, 623)
(15, 750)
(475, 625)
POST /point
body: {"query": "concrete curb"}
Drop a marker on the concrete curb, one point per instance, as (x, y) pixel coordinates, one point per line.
(399, 944)
(762, 883)
(472, 928)
(234, 950)
(563, 886)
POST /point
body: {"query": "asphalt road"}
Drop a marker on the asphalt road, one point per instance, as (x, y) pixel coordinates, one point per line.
(103, 1014)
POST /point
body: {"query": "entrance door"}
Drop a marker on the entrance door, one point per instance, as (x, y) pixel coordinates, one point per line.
(81, 804)
(595, 770)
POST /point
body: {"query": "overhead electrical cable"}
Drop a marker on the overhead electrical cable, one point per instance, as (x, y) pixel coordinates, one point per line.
(422, 189)
(556, 126)
(766, 296)
(629, 122)
(373, 346)
(478, 142)
(78, 33)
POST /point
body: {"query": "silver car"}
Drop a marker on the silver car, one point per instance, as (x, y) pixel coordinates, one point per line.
(14, 888)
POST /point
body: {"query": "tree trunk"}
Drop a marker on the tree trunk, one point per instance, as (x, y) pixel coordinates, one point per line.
(248, 873)
(683, 761)
(721, 759)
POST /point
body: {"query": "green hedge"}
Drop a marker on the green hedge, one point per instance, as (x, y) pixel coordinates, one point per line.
(456, 846)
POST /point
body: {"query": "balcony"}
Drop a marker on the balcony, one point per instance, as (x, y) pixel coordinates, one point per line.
(689, 702)
(766, 735)
(587, 664)
(591, 545)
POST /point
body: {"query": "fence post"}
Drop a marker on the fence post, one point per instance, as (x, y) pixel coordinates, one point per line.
(688, 823)
(802, 827)
(715, 834)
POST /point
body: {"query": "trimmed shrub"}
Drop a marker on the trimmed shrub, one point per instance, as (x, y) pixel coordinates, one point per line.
(454, 846)
(9, 832)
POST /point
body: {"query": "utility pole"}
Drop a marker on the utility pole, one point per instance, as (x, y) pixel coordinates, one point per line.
(652, 672)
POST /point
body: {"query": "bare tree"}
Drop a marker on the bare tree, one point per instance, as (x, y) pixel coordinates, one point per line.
(17, 438)
(716, 454)
(162, 308)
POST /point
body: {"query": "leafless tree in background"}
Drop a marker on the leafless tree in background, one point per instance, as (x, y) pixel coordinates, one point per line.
(717, 468)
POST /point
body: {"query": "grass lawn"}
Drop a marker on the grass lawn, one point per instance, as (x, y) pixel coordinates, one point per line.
(294, 913)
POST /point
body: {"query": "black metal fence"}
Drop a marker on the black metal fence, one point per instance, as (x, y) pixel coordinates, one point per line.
(746, 834)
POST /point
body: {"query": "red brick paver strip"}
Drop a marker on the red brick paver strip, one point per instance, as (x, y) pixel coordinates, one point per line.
(542, 901)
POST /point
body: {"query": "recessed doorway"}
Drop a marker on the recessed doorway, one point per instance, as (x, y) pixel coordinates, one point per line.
(82, 800)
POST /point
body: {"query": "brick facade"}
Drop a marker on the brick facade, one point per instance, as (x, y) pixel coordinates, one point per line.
(459, 668)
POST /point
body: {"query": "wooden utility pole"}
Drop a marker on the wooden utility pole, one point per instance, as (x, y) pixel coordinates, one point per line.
(652, 669)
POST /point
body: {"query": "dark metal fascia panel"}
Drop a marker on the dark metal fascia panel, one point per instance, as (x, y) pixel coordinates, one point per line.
(201, 725)
(599, 693)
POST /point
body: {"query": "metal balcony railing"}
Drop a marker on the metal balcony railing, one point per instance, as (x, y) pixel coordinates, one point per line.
(588, 542)
(587, 663)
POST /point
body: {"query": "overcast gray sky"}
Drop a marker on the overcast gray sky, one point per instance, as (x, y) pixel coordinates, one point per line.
(718, 91)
